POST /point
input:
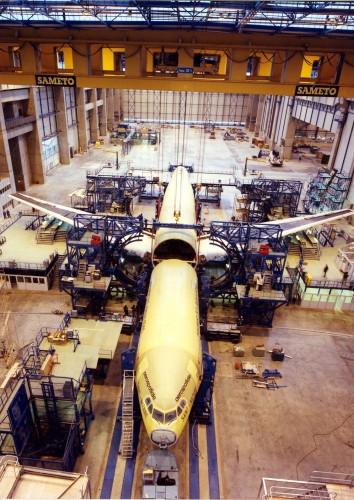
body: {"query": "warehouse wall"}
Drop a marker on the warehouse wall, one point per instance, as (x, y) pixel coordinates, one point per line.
(180, 107)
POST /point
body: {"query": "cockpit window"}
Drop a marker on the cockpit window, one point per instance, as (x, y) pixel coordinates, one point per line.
(158, 415)
(181, 406)
(170, 416)
(148, 404)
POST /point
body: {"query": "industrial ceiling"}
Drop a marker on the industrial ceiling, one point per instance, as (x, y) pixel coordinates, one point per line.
(311, 18)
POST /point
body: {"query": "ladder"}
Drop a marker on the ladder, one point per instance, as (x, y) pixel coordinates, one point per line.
(267, 285)
(50, 404)
(82, 270)
(126, 444)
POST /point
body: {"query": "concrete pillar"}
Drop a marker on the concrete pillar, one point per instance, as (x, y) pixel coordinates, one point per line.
(273, 131)
(103, 116)
(24, 161)
(289, 135)
(343, 141)
(260, 107)
(81, 117)
(6, 169)
(272, 113)
(35, 140)
(252, 112)
(63, 141)
(118, 105)
(94, 126)
(110, 108)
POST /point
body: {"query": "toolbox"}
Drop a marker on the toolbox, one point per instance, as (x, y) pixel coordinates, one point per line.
(278, 356)
(259, 350)
(239, 352)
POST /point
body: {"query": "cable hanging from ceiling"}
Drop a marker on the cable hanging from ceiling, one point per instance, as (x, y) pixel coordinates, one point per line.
(163, 113)
(185, 130)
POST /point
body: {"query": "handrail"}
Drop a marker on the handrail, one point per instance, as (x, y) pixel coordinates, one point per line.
(5, 460)
(332, 477)
(284, 488)
(105, 354)
(19, 121)
(26, 265)
(309, 493)
(8, 390)
(323, 283)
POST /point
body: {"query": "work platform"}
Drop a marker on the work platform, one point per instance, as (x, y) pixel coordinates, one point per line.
(19, 481)
(264, 295)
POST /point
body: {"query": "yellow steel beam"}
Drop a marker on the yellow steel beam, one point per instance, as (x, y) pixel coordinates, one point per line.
(174, 84)
(39, 55)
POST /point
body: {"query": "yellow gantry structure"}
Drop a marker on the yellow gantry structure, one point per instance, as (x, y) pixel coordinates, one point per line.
(136, 59)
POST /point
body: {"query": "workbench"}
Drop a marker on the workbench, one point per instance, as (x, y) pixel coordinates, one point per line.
(223, 331)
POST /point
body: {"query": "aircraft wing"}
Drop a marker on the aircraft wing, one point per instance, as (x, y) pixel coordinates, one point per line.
(295, 224)
(289, 226)
(66, 214)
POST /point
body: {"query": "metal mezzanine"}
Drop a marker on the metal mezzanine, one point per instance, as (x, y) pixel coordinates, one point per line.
(113, 193)
(268, 199)
(94, 243)
(253, 249)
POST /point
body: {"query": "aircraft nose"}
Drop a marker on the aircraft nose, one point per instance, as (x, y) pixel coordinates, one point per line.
(163, 437)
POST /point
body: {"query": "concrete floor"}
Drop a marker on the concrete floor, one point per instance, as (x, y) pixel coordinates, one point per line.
(287, 432)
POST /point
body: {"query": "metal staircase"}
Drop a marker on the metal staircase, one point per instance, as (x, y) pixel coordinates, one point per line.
(45, 236)
(57, 266)
(126, 445)
(82, 270)
(267, 285)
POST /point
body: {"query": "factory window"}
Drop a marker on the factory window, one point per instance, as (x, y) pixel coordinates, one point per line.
(41, 281)
(158, 415)
(170, 416)
(253, 66)
(119, 61)
(60, 59)
(315, 68)
(19, 279)
(28, 280)
(15, 57)
(35, 280)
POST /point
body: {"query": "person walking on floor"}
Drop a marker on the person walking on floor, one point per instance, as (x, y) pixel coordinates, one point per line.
(325, 269)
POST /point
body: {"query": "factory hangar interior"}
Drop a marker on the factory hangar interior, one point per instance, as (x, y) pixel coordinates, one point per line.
(248, 108)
